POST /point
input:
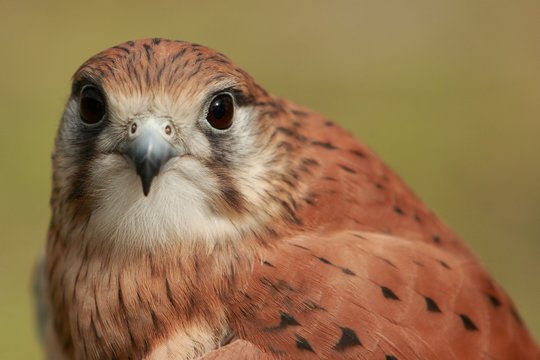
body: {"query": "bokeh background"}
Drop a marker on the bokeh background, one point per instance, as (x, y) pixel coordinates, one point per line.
(448, 92)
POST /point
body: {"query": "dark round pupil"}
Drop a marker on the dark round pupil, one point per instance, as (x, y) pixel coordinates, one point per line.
(220, 113)
(219, 108)
(92, 106)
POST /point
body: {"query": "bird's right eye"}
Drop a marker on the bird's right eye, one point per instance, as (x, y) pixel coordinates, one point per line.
(92, 105)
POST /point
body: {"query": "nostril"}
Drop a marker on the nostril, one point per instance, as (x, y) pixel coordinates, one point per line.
(168, 130)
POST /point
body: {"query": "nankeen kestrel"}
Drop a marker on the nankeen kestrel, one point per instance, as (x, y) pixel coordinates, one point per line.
(196, 215)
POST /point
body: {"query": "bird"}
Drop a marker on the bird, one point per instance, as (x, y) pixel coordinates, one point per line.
(194, 215)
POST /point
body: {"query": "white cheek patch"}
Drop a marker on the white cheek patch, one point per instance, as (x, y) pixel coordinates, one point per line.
(197, 143)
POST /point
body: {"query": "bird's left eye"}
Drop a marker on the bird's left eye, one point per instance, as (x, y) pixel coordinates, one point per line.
(91, 105)
(220, 112)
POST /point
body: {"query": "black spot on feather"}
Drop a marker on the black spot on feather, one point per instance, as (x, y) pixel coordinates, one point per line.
(348, 271)
(149, 51)
(300, 246)
(348, 339)
(303, 344)
(348, 169)
(389, 294)
(122, 48)
(432, 305)
(285, 320)
(358, 153)
(312, 305)
(389, 263)
(494, 300)
(299, 113)
(444, 264)
(309, 161)
(325, 145)
(291, 133)
(325, 261)
(468, 323)
(178, 55)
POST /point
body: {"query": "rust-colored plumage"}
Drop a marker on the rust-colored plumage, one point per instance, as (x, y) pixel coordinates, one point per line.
(277, 236)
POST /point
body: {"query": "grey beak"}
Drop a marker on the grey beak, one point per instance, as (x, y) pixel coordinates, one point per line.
(150, 148)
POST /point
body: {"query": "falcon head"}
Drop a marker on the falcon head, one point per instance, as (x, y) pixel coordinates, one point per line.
(166, 140)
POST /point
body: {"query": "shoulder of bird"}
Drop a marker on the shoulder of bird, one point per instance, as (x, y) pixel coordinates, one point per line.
(196, 215)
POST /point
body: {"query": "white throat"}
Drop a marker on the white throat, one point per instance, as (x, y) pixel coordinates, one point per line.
(177, 210)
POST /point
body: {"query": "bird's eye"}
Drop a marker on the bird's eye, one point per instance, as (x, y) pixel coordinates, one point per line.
(220, 112)
(91, 105)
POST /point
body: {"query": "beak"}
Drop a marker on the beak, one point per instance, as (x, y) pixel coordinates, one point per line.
(149, 148)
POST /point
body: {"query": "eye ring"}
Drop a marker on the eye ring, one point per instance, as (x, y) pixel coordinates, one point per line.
(92, 106)
(220, 111)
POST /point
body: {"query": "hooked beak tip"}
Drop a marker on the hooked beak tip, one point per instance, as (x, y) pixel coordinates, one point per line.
(147, 174)
(146, 189)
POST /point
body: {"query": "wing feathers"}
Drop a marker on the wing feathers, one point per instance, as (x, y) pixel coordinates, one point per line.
(370, 296)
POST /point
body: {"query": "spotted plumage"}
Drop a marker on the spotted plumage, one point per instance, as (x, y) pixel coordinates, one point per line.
(262, 230)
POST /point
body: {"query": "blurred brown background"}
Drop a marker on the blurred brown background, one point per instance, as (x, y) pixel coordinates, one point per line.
(448, 92)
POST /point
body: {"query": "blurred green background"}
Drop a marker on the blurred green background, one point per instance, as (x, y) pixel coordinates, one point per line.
(448, 92)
